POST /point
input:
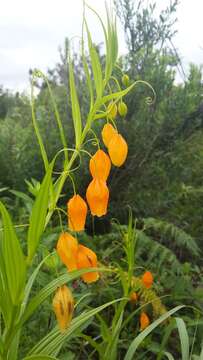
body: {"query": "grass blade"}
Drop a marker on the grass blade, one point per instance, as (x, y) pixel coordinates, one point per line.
(184, 339)
(137, 341)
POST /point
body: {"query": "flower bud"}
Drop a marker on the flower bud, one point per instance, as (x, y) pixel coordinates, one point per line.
(118, 150)
(77, 212)
(144, 321)
(63, 305)
(133, 297)
(122, 109)
(112, 110)
(107, 133)
(125, 80)
(147, 279)
(100, 165)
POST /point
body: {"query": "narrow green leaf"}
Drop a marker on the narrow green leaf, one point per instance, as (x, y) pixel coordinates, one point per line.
(27, 199)
(168, 355)
(201, 354)
(30, 283)
(75, 106)
(5, 299)
(13, 259)
(38, 215)
(13, 347)
(55, 338)
(88, 79)
(184, 339)
(96, 66)
(137, 341)
(36, 128)
(50, 288)
(39, 357)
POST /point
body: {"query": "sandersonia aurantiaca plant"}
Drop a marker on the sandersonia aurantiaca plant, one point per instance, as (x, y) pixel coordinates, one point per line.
(17, 276)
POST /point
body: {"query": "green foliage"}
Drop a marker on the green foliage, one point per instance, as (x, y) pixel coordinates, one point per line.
(161, 181)
(12, 267)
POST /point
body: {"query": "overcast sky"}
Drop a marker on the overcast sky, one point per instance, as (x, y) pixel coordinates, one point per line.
(31, 32)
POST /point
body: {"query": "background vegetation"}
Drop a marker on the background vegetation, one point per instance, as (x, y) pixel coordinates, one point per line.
(162, 180)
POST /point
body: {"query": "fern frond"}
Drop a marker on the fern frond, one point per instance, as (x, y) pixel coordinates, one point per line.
(153, 251)
(172, 236)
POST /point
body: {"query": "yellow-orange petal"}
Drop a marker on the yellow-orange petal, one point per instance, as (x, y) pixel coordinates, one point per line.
(144, 321)
(86, 258)
(118, 150)
(97, 197)
(107, 133)
(147, 279)
(100, 165)
(63, 305)
(77, 212)
(67, 247)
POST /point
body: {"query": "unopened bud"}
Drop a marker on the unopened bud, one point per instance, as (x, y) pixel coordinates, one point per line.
(122, 109)
(133, 297)
(63, 305)
(112, 110)
(125, 80)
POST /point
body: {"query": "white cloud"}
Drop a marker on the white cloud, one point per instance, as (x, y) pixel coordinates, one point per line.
(31, 32)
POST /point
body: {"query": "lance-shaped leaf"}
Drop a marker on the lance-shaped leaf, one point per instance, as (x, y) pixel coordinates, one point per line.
(51, 287)
(184, 338)
(38, 215)
(52, 341)
(39, 357)
(13, 259)
(137, 341)
(75, 106)
(96, 66)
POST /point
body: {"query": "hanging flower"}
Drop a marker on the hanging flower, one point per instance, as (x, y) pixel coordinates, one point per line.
(97, 197)
(67, 247)
(63, 305)
(77, 212)
(147, 279)
(87, 258)
(118, 150)
(144, 321)
(122, 109)
(112, 110)
(100, 165)
(107, 133)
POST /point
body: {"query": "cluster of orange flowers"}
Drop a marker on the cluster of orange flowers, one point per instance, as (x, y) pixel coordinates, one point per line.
(147, 281)
(72, 254)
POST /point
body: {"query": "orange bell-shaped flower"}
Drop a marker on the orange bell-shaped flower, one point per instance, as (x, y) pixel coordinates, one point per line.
(87, 258)
(107, 133)
(118, 150)
(144, 321)
(97, 197)
(147, 279)
(67, 248)
(100, 165)
(63, 305)
(77, 212)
